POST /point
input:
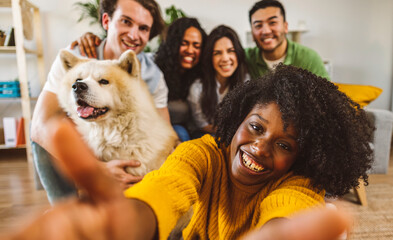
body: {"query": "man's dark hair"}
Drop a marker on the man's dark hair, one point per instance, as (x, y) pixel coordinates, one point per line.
(109, 7)
(264, 4)
(333, 132)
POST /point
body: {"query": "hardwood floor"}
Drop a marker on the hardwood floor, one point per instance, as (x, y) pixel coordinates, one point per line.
(18, 196)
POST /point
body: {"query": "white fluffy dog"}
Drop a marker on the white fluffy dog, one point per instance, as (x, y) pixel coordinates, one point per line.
(114, 111)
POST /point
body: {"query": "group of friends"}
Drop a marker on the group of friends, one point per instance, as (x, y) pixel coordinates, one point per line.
(280, 136)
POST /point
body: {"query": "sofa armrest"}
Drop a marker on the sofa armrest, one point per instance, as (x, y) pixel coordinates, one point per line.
(383, 120)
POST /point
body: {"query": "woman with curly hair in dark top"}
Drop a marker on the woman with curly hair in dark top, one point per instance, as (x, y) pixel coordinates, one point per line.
(178, 57)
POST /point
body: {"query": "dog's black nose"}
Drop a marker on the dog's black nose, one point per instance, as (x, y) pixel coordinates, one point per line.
(79, 87)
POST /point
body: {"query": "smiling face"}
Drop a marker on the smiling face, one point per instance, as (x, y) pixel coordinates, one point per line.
(128, 28)
(269, 29)
(260, 149)
(190, 48)
(224, 58)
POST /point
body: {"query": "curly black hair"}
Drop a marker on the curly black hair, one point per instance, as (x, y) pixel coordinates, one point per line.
(334, 133)
(167, 59)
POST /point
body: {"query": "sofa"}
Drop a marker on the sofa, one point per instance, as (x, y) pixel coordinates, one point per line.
(383, 120)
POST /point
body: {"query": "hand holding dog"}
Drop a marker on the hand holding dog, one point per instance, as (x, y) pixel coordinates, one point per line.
(117, 170)
(87, 44)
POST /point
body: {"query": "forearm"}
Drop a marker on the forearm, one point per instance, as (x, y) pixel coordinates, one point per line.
(47, 109)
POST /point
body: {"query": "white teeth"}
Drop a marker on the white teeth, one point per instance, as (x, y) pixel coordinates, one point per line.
(188, 59)
(129, 44)
(227, 67)
(250, 164)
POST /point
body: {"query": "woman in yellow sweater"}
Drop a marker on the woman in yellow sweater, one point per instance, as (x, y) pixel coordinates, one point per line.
(282, 140)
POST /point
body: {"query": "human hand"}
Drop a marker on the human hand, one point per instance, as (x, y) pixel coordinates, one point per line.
(316, 224)
(104, 214)
(117, 170)
(87, 44)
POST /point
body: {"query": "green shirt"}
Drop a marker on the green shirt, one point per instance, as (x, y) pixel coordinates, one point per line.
(297, 55)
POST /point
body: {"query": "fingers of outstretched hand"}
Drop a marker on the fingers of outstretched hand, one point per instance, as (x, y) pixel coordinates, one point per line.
(79, 163)
(318, 224)
(72, 220)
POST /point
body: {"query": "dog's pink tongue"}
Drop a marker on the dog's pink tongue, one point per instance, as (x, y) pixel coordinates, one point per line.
(85, 112)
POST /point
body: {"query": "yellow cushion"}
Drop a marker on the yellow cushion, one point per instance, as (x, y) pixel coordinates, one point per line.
(361, 94)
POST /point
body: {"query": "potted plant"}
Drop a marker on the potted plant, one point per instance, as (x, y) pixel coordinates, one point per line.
(91, 11)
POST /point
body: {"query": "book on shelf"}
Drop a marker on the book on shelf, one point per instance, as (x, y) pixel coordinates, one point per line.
(20, 132)
(9, 37)
(14, 133)
(2, 37)
(9, 124)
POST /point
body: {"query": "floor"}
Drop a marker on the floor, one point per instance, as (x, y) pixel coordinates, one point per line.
(18, 197)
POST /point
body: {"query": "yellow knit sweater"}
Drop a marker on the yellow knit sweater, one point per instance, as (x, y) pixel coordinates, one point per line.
(197, 174)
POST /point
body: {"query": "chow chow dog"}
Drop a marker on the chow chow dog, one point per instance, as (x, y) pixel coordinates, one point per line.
(114, 110)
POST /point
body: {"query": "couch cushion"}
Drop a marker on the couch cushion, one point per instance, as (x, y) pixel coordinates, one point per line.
(362, 94)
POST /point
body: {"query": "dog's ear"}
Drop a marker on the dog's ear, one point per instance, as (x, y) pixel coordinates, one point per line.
(130, 63)
(68, 59)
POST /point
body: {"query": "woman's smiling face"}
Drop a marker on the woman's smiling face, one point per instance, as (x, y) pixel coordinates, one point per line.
(260, 149)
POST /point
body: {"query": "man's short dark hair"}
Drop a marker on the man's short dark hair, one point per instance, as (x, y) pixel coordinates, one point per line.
(264, 4)
(109, 7)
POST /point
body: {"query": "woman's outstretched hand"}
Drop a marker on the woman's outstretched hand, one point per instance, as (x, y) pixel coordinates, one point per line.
(104, 213)
(316, 224)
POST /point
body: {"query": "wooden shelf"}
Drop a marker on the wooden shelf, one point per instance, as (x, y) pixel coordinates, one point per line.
(3, 146)
(7, 49)
(5, 3)
(8, 4)
(12, 49)
(18, 99)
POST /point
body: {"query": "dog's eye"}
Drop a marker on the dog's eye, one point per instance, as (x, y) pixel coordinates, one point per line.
(78, 80)
(103, 81)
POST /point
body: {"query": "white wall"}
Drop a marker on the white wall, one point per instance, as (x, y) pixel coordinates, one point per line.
(355, 35)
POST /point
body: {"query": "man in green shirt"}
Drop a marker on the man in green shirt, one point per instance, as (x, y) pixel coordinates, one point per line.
(269, 29)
